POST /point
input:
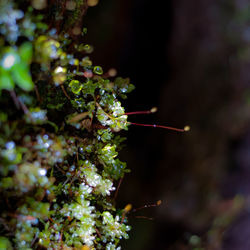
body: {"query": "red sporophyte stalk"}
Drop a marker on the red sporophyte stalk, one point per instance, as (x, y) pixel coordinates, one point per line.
(185, 129)
(153, 110)
(128, 209)
(157, 204)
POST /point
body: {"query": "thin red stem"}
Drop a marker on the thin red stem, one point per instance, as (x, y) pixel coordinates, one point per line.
(143, 207)
(15, 99)
(64, 91)
(138, 112)
(158, 126)
(143, 217)
(118, 187)
(123, 217)
(151, 111)
(98, 233)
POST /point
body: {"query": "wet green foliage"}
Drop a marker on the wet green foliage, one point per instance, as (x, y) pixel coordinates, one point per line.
(59, 120)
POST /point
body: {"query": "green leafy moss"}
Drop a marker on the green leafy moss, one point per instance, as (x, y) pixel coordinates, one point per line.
(58, 124)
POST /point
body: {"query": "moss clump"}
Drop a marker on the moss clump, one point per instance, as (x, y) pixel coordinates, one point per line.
(58, 146)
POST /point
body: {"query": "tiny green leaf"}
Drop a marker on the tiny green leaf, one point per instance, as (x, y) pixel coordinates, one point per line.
(6, 81)
(21, 75)
(25, 52)
(98, 70)
(75, 86)
(5, 243)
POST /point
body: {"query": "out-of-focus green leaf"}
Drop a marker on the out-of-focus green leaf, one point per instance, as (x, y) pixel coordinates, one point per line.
(25, 52)
(6, 81)
(22, 76)
(5, 243)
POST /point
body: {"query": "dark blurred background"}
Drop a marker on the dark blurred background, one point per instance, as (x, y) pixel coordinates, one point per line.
(191, 59)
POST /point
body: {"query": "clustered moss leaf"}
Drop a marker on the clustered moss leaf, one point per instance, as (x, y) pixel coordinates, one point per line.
(59, 120)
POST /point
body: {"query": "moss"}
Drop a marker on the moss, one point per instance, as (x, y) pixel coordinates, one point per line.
(58, 124)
